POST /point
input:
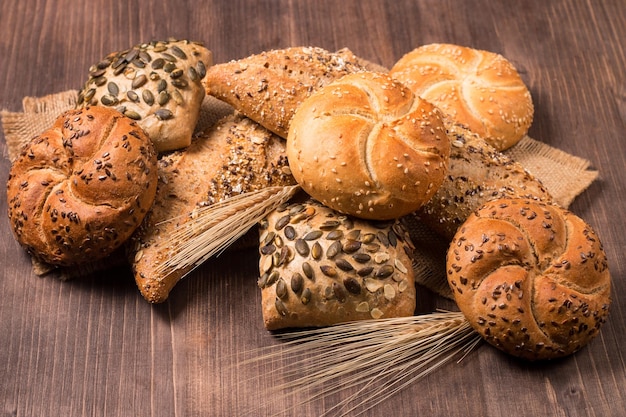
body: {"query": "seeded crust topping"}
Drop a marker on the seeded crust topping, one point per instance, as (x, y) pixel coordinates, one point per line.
(477, 173)
(532, 278)
(268, 87)
(82, 187)
(233, 157)
(157, 83)
(319, 267)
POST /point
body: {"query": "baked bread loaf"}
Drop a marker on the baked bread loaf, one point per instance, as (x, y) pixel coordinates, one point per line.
(157, 83)
(477, 173)
(366, 146)
(268, 87)
(80, 189)
(319, 267)
(530, 277)
(479, 89)
(233, 157)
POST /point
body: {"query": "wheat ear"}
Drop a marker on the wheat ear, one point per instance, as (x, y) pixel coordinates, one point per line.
(377, 358)
(214, 228)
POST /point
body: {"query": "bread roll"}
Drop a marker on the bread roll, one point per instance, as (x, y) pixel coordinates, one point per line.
(157, 83)
(79, 189)
(319, 267)
(233, 157)
(366, 146)
(479, 89)
(530, 277)
(477, 173)
(268, 87)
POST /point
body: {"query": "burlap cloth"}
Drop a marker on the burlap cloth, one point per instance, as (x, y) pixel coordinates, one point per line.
(565, 175)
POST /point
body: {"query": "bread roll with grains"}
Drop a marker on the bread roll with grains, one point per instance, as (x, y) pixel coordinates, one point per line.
(319, 267)
(156, 83)
(80, 189)
(233, 157)
(269, 86)
(531, 278)
(479, 89)
(477, 173)
(366, 146)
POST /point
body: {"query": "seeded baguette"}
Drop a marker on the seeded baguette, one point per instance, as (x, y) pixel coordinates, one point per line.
(157, 83)
(233, 157)
(269, 86)
(477, 173)
(79, 189)
(319, 267)
(531, 278)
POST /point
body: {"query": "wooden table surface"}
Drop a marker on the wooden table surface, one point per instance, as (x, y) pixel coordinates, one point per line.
(94, 347)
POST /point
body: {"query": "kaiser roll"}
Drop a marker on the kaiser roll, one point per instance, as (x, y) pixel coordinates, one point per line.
(366, 146)
(79, 190)
(479, 89)
(532, 278)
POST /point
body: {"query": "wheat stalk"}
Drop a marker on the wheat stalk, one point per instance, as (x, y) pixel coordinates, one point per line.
(378, 357)
(214, 228)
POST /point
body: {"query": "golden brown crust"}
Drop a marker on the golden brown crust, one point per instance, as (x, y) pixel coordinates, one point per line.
(477, 173)
(233, 157)
(532, 278)
(158, 84)
(366, 146)
(81, 188)
(269, 86)
(479, 89)
(319, 268)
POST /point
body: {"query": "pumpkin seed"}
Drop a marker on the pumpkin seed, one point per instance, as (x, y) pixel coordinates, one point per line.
(280, 307)
(306, 296)
(328, 270)
(281, 289)
(308, 270)
(313, 235)
(333, 249)
(317, 251)
(302, 247)
(352, 285)
(139, 81)
(344, 265)
(164, 114)
(384, 271)
(290, 232)
(297, 283)
(351, 246)
(339, 292)
(147, 96)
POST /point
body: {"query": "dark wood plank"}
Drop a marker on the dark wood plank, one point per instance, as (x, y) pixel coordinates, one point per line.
(94, 347)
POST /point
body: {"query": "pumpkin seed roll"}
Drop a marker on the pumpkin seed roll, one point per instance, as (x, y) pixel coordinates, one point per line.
(319, 267)
(157, 83)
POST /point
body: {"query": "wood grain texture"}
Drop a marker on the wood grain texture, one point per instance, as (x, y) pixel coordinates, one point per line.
(94, 347)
